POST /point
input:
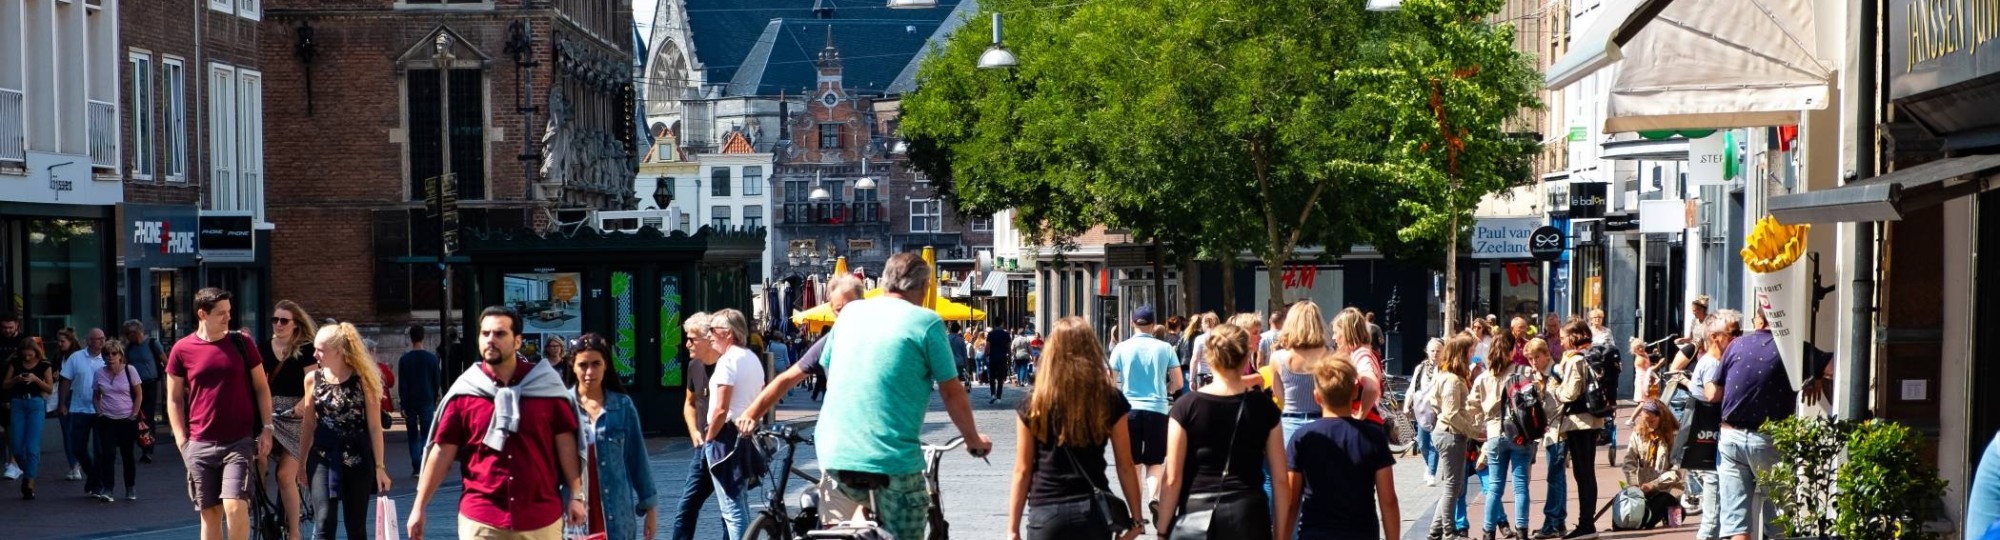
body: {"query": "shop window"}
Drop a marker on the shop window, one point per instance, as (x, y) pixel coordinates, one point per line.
(65, 267)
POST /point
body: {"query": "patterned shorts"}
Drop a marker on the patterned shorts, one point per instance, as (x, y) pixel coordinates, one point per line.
(905, 504)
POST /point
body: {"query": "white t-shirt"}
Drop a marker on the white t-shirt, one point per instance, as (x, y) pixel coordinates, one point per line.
(738, 369)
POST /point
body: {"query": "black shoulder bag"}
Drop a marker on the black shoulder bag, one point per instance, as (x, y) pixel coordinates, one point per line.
(1199, 513)
(1109, 508)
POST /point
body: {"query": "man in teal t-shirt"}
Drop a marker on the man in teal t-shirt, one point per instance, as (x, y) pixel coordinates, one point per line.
(879, 378)
(1147, 369)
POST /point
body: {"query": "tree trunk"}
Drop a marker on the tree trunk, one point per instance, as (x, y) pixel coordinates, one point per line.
(1451, 281)
(1189, 306)
(1158, 257)
(1228, 284)
(1274, 278)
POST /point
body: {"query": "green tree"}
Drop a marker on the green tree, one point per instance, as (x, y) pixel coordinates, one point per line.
(1219, 126)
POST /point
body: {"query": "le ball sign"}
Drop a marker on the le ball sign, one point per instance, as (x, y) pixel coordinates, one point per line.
(1503, 238)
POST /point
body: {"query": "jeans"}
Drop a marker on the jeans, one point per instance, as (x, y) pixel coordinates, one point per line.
(24, 432)
(1451, 448)
(1710, 523)
(1473, 475)
(735, 512)
(76, 442)
(1064, 521)
(1554, 508)
(1739, 455)
(116, 439)
(1502, 457)
(1290, 425)
(418, 416)
(347, 502)
(694, 493)
(1582, 462)
(1429, 450)
(1021, 373)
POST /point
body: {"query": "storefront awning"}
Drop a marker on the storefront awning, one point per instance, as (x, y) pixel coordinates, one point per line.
(1891, 196)
(1702, 63)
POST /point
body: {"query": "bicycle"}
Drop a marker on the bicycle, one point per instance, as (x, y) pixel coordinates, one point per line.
(861, 527)
(774, 522)
(1395, 389)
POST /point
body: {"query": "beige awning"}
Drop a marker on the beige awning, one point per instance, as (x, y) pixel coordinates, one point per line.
(1696, 64)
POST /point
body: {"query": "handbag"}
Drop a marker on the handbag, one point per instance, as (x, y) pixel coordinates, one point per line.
(1199, 512)
(387, 526)
(1109, 508)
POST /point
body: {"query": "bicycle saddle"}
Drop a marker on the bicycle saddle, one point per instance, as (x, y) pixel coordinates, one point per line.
(865, 481)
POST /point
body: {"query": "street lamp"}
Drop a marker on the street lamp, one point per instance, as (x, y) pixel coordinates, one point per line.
(663, 192)
(819, 194)
(997, 56)
(912, 4)
(864, 183)
(1385, 5)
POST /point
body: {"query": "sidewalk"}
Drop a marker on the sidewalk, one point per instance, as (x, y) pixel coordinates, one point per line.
(1607, 476)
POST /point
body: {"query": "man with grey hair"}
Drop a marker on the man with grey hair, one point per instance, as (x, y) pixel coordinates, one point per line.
(843, 290)
(146, 355)
(736, 380)
(698, 487)
(880, 376)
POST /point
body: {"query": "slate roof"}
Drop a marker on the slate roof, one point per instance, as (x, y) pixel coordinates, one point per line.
(765, 47)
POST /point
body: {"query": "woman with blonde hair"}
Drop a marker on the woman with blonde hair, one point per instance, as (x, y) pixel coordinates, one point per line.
(1350, 333)
(116, 394)
(345, 442)
(1199, 373)
(1069, 416)
(288, 356)
(1295, 358)
(1221, 441)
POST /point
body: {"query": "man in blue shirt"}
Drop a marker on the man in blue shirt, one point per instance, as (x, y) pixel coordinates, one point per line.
(79, 409)
(1147, 370)
(1753, 388)
(957, 340)
(420, 372)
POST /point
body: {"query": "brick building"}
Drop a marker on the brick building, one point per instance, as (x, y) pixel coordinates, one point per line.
(540, 114)
(193, 142)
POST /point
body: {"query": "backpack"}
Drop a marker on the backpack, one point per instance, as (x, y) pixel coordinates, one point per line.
(1598, 400)
(1526, 418)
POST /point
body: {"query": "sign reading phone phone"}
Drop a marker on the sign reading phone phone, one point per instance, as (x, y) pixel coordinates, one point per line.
(228, 237)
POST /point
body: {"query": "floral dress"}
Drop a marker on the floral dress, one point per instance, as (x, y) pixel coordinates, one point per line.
(342, 434)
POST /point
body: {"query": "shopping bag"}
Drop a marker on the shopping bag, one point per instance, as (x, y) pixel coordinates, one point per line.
(1695, 450)
(387, 525)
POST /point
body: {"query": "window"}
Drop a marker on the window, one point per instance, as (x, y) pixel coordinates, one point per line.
(753, 216)
(835, 189)
(173, 80)
(753, 183)
(468, 131)
(982, 224)
(829, 135)
(718, 216)
(866, 195)
(250, 142)
(719, 182)
(222, 136)
(684, 227)
(796, 190)
(144, 141)
(249, 9)
(924, 216)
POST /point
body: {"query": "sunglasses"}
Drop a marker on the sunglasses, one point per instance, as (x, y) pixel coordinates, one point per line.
(281, 320)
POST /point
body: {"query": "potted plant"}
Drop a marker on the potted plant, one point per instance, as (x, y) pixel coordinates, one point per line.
(1803, 482)
(1852, 480)
(1884, 489)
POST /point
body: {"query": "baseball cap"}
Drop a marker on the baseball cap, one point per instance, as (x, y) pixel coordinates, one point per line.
(1143, 315)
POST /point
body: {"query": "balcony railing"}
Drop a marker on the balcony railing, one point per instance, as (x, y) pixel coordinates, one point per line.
(13, 142)
(834, 213)
(103, 134)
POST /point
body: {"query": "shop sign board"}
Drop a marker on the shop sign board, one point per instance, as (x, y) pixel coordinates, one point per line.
(1319, 283)
(1547, 243)
(1706, 158)
(61, 179)
(1503, 238)
(159, 236)
(1587, 199)
(228, 237)
(1935, 44)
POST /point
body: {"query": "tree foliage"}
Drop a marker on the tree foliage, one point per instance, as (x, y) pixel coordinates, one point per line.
(1227, 125)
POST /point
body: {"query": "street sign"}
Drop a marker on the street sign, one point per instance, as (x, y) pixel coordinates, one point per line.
(1546, 243)
(447, 195)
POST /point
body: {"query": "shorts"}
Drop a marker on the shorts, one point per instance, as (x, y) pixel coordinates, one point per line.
(217, 471)
(905, 503)
(1148, 430)
(474, 530)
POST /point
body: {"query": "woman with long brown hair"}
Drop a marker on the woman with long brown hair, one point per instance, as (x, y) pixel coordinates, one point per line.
(288, 356)
(1457, 420)
(29, 379)
(1221, 441)
(345, 439)
(622, 479)
(1071, 413)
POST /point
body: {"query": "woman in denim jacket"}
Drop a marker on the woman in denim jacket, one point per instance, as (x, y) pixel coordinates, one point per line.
(620, 480)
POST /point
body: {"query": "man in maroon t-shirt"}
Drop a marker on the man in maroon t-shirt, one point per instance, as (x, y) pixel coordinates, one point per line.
(511, 467)
(215, 403)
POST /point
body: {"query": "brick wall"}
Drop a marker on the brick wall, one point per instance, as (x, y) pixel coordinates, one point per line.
(165, 29)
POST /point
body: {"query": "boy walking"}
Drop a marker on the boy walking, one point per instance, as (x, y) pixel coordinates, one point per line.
(1338, 463)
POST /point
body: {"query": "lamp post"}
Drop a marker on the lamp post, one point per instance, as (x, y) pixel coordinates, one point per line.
(443, 60)
(997, 56)
(663, 192)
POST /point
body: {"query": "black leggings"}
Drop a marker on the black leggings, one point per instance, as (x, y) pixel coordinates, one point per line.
(350, 504)
(1582, 471)
(1658, 506)
(121, 437)
(996, 376)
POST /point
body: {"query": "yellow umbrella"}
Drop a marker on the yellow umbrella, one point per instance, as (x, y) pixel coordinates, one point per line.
(946, 308)
(815, 319)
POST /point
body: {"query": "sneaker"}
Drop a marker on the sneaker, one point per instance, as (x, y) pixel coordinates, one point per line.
(131, 495)
(75, 473)
(104, 496)
(1547, 532)
(13, 471)
(1430, 480)
(1582, 533)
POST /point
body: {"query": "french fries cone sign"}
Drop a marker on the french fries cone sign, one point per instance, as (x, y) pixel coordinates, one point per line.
(1779, 285)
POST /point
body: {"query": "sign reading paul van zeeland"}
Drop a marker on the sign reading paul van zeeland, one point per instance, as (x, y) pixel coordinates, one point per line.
(1504, 238)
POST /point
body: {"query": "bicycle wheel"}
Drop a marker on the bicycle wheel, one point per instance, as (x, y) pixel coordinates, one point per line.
(767, 527)
(1406, 432)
